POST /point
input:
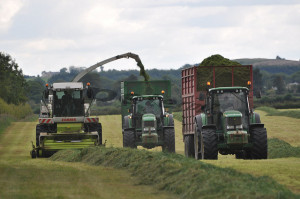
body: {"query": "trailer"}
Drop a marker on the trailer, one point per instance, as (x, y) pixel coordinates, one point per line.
(204, 92)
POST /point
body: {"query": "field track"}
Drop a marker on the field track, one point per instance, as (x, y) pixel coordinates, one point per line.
(22, 177)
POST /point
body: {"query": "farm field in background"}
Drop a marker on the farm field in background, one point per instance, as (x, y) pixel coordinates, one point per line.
(20, 176)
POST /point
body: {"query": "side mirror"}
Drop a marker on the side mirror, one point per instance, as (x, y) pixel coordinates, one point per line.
(90, 93)
(258, 94)
(46, 94)
(201, 97)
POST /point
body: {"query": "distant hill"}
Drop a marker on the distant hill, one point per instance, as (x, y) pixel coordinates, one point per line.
(272, 65)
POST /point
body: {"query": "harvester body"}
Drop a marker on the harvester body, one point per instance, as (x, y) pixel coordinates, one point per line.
(145, 119)
(64, 121)
(218, 113)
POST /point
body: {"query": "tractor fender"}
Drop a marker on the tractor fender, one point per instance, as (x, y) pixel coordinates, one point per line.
(127, 122)
(198, 122)
(260, 125)
(257, 117)
(171, 120)
(209, 126)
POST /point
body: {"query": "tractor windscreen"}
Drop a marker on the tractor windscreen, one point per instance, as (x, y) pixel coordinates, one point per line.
(68, 103)
(153, 106)
(227, 100)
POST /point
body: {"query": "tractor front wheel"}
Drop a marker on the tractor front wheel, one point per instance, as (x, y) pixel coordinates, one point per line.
(258, 137)
(129, 139)
(169, 140)
(208, 144)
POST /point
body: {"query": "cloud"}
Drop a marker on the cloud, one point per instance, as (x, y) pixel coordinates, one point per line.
(7, 11)
(49, 35)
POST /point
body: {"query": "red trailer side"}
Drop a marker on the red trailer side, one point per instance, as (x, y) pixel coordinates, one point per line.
(219, 76)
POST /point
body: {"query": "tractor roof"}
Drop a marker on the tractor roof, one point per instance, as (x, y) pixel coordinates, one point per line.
(67, 85)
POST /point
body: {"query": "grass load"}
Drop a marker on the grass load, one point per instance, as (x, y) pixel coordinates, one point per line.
(183, 176)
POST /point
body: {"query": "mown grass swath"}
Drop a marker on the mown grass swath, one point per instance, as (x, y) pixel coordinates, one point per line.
(280, 149)
(274, 112)
(184, 176)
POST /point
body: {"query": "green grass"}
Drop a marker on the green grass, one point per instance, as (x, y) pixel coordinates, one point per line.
(177, 116)
(184, 176)
(5, 121)
(274, 112)
(280, 149)
(23, 177)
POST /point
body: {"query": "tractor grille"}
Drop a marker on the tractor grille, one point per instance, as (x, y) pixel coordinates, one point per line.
(149, 123)
(234, 121)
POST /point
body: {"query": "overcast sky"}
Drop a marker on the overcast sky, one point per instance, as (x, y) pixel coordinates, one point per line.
(49, 35)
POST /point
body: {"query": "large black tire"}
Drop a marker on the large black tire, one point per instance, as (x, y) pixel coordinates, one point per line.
(129, 139)
(209, 144)
(189, 150)
(258, 137)
(169, 140)
(99, 131)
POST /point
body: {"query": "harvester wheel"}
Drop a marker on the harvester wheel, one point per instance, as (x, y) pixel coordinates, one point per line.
(37, 136)
(99, 130)
(33, 154)
(129, 139)
(169, 140)
(258, 137)
(209, 145)
(189, 150)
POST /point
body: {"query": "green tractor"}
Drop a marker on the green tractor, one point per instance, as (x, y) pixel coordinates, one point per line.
(145, 121)
(227, 125)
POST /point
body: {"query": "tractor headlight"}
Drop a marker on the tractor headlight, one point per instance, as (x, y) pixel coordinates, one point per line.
(237, 127)
(149, 128)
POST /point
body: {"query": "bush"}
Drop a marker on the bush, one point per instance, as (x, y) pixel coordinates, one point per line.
(15, 111)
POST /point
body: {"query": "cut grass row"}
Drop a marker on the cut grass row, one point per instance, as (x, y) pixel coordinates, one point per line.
(186, 177)
(275, 112)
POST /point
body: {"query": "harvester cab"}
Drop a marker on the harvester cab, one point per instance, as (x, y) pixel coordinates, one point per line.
(64, 121)
(148, 124)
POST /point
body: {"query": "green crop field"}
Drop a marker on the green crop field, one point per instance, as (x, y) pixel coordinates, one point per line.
(22, 177)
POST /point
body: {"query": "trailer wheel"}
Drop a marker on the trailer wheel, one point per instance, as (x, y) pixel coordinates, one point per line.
(209, 146)
(129, 139)
(99, 130)
(189, 150)
(169, 140)
(258, 137)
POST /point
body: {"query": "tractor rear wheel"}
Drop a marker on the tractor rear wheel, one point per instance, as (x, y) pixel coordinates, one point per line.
(208, 144)
(258, 137)
(169, 140)
(189, 150)
(99, 131)
(129, 139)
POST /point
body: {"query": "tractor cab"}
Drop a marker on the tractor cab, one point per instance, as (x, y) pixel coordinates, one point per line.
(147, 111)
(228, 108)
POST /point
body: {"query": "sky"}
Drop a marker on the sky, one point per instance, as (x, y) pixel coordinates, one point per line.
(48, 35)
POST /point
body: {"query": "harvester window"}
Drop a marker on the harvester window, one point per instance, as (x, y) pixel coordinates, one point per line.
(68, 103)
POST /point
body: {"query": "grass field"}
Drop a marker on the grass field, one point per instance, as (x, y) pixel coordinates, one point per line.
(22, 177)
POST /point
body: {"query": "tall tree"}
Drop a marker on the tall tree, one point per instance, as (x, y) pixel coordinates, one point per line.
(12, 84)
